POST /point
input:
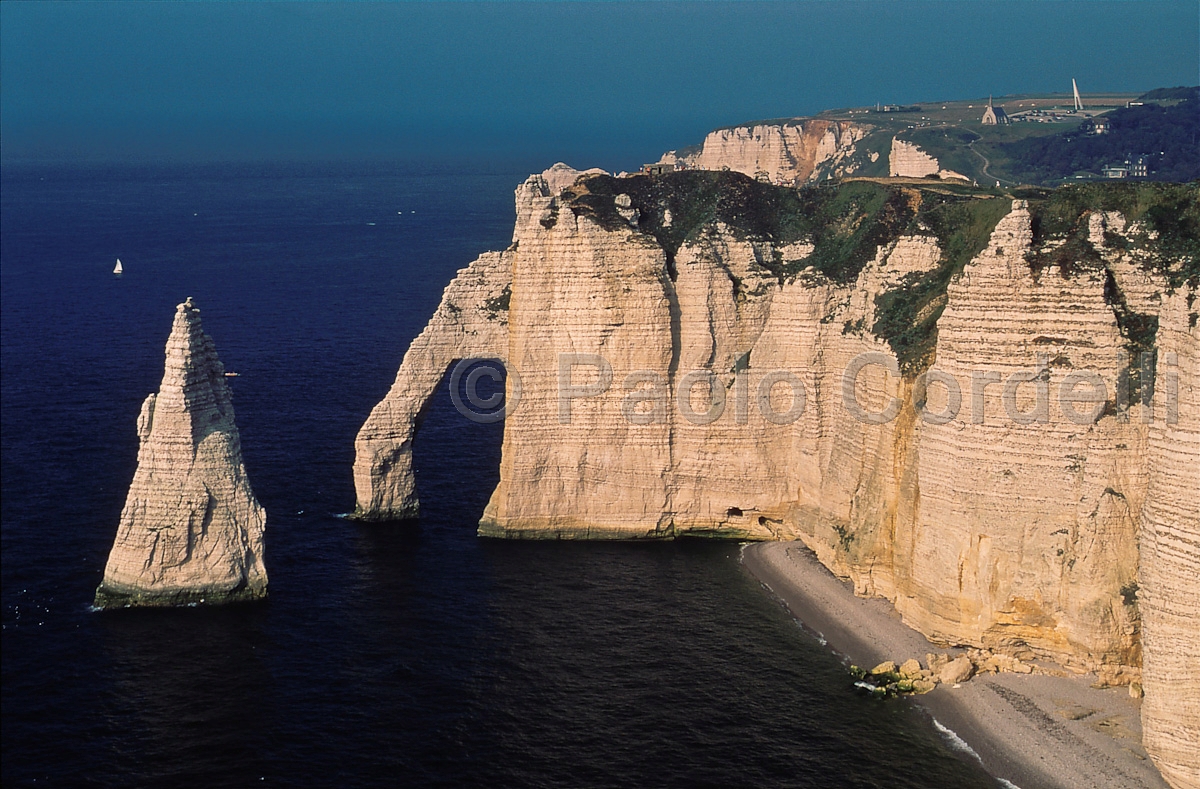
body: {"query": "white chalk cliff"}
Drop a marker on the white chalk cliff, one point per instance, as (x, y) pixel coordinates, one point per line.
(471, 321)
(796, 151)
(907, 160)
(805, 150)
(1170, 559)
(191, 530)
(1061, 530)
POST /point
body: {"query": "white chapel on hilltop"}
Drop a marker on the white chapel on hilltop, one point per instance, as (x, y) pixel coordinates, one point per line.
(994, 116)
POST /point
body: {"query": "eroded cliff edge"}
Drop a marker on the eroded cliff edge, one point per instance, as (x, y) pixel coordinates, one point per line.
(1009, 520)
(191, 530)
(808, 150)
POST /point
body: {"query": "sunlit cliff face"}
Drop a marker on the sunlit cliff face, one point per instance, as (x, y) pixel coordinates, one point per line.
(972, 405)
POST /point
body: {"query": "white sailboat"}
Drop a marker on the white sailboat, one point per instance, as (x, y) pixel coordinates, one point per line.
(118, 269)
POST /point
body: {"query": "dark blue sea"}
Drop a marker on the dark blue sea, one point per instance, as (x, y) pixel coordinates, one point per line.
(411, 654)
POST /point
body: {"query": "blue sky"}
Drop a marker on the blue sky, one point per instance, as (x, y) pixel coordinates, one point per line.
(609, 83)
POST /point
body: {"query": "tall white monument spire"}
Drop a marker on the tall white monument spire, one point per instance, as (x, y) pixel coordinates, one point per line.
(1078, 101)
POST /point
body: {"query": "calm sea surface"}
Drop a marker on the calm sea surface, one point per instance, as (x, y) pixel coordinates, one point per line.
(414, 654)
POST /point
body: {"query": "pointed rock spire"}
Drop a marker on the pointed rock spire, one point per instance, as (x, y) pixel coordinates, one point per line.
(191, 530)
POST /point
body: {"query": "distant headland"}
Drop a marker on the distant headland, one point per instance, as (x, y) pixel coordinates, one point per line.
(1045, 139)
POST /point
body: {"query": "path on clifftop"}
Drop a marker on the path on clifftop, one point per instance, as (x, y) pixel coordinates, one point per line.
(986, 165)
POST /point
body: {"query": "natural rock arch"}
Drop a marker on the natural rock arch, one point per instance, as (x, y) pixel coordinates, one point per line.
(470, 322)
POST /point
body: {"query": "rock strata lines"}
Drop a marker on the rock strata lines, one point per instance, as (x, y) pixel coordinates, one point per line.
(794, 152)
(470, 322)
(191, 530)
(1169, 596)
(1018, 521)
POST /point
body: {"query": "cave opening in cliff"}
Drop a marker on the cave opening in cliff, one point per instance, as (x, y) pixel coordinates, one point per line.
(456, 447)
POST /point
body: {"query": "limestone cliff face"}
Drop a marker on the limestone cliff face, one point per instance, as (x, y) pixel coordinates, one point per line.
(612, 282)
(793, 152)
(804, 150)
(560, 175)
(191, 530)
(909, 161)
(1033, 550)
(1169, 596)
(884, 381)
(906, 160)
(471, 321)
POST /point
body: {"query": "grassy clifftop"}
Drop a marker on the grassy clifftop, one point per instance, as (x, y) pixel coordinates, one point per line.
(1049, 142)
(1168, 136)
(847, 222)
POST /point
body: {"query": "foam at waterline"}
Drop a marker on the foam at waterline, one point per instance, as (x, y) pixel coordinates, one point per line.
(956, 742)
(959, 744)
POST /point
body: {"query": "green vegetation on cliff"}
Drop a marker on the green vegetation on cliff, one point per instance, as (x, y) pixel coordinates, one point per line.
(1163, 228)
(847, 222)
(1164, 224)
(950, 145)
(694, 200)
(907, 316)
(1168, 136)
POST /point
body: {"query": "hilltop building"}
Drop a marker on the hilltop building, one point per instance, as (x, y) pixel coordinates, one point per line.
(1133, 167)
(659, 168)
(995, 116)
